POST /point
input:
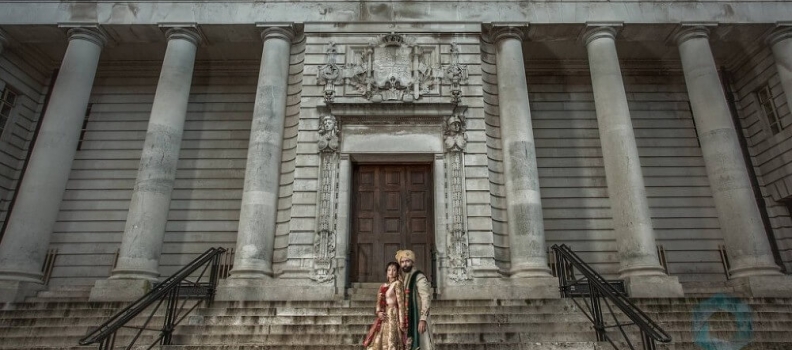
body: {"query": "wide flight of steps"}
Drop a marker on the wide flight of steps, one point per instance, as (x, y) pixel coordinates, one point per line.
(59, 318)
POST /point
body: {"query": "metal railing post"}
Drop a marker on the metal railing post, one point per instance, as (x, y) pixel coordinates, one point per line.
(648, 342)
(561, 272)
(596, 312)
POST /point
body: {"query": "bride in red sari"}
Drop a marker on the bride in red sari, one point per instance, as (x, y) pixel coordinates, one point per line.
(388, 331)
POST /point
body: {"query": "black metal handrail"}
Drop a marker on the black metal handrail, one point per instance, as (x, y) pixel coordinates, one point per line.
(174, 288)
(599, 288)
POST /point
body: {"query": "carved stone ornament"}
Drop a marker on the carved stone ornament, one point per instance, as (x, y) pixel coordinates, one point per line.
(455, 137)
(391, 68)
(324, 254)
(325, 239)
(328, 134)
(455, 74)
(330, 74)
(396, 69)
(455, 140)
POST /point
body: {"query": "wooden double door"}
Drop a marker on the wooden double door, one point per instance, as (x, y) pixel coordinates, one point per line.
(392, 209)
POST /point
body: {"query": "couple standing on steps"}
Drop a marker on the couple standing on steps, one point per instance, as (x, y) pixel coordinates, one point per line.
(402, 308)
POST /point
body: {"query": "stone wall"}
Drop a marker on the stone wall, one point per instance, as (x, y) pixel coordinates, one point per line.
(769, 153)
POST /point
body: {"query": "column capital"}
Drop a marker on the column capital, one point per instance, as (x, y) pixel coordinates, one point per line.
(92, 33)
(594, 32)
(188, 33)
(688, 32)
(507, 32)
(277, 31)
(781, 33)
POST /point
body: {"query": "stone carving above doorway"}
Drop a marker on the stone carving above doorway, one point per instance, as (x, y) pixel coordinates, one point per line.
(391, 68)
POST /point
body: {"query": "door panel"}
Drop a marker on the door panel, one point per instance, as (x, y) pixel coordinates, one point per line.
(392, 210)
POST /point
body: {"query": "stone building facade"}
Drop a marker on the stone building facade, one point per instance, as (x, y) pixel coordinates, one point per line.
(318, 138)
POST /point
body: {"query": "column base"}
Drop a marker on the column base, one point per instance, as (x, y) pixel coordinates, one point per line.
(778, 286)
(266, 289)
(119, 289)
(17, 291)
(659, 286)
(488, 289)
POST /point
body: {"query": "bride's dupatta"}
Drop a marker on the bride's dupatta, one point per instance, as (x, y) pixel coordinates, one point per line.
(375, 328)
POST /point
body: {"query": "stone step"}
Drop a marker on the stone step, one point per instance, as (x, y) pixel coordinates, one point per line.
(71, 321)
(62, 305)
(754, 345)
(58, 299)
(340, 339)
(459, 346)
(61, 341)
(367, 319)
(361, 329)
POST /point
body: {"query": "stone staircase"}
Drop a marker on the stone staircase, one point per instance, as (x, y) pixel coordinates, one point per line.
(57, 319)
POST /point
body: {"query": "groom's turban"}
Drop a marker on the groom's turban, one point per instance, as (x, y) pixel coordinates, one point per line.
(401, 254)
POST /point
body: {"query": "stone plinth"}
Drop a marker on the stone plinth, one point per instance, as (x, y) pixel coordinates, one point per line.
(17, 291)
(653, 286)
(772, 286)
(119, 289)
(267, 289)
(485, 289)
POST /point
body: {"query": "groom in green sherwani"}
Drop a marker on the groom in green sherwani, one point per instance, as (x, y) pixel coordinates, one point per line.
(418, 293)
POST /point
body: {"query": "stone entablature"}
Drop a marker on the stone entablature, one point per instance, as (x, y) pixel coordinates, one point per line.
(242, 12)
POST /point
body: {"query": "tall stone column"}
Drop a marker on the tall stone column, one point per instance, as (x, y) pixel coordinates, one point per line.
(632, 222)
(780, 42)
(141, 244)
(740, 221)
(3, 41)
(257, 216)
(523, 201)
(32, 220)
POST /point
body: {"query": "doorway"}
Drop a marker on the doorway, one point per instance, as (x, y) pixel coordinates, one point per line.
(392, 209)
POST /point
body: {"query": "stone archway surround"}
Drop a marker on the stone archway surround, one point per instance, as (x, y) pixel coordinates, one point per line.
(431, 133)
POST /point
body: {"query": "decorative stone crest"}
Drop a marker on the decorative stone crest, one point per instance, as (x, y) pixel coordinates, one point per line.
(455, 141)
(392, 67)
(325, 239)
